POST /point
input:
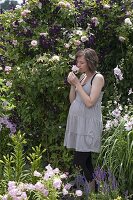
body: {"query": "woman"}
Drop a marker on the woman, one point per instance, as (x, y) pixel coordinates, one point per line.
(84, 123)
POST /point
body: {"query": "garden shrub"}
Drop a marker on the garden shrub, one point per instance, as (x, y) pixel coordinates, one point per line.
(37, 48)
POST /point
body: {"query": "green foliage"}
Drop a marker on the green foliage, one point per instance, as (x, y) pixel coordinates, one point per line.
(14, 165)
(117, 151)
(39, 42)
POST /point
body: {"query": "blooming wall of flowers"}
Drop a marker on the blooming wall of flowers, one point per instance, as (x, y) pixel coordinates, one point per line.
(38, 42)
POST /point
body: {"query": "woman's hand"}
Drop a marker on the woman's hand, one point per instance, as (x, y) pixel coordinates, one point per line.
(72, 79)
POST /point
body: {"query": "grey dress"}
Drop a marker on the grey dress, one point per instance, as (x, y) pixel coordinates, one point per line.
(84, 125)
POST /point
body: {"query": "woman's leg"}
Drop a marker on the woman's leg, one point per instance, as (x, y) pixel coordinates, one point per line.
(84, 161)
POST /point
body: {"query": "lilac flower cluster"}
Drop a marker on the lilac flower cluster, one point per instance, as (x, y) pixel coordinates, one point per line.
(50, 180)
(106, 180)
(5, 121)
(117, 114)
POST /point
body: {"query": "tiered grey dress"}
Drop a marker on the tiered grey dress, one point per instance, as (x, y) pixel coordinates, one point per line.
(84, 125)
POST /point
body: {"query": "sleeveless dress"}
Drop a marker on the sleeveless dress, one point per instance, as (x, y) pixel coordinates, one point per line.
(84, 125)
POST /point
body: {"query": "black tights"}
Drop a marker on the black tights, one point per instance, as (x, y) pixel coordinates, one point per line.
(84, 161)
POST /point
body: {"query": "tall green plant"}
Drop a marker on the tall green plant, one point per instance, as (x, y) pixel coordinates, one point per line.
(117, 154)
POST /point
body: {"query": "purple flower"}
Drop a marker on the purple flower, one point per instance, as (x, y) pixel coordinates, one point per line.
(57, 183)
(118, 73)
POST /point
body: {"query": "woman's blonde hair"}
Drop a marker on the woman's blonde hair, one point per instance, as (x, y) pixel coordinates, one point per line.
(90, 56)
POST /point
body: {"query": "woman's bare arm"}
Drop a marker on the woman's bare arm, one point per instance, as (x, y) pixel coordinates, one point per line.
(97, 86)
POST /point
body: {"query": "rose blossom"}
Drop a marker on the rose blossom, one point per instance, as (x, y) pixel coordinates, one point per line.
(34, 43)
(78, 193)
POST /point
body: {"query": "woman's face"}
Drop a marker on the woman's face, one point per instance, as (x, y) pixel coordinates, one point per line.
(82, 64)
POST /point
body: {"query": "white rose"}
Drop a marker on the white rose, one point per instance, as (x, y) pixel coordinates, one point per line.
(128, 21)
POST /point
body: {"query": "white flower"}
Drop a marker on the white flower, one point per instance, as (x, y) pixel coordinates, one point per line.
(130, 91)
(108, 125)
(129, 126)
(106, 6)
(8, 84)
(34, 43)
(115, 122)
(55, 58)
(56, 170)
(68, 5)
(122, 39)
(14, 42)
(95, 20)
(128, 21)
(63, 176)
(118, 73)
(39, 5)
(37, 174)
(71, 56)
(78, 193)
(79, 32)
(65, 192)
(84, 38)
(44, 34)
(67, 46)
(62, 4)
(75, 69)
(17, 7)
(5, 197)
(48, 167)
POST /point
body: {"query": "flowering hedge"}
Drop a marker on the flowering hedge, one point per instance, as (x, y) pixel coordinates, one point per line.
(37, 48)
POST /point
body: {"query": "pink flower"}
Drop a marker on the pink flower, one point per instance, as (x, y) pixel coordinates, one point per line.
(68, 5)
(68, 186)
(34, 43)
(39, 186)
(129, 125)
(24, 195)
(57, 183)
(118, 73)
(25, 12)
(116, 113)
(45, 192)
(7, 69)
(77, 42)
(5, 197)
(75, 69)
(78, 193)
